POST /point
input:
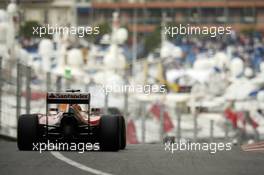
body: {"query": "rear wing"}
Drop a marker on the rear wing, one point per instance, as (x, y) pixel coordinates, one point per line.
(67, 98)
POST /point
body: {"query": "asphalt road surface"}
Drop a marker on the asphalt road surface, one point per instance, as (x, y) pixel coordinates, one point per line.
(135, 160)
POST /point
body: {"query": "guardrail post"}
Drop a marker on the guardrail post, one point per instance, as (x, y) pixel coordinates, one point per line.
(178, 112)
(58, 83)
(161, 122)
(226, 128)
(18, 90)
(106, 103)
(143, 123)
(67, 83)
(1, 85)
(211, 130)
(28, 89)
(48, 81)
(195, 125)
(126, 104)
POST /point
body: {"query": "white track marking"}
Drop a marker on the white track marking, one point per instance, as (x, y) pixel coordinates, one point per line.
(78, 165)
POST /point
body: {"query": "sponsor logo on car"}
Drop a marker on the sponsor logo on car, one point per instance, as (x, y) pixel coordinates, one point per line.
(68, 96)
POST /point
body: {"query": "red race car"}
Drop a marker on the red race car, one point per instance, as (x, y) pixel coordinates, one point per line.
(69, 118)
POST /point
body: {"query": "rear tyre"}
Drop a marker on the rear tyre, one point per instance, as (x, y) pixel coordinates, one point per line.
(27, 131)
(122, 124)
(109, 133)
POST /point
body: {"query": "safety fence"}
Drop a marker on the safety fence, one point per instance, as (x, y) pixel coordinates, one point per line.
(23, 90)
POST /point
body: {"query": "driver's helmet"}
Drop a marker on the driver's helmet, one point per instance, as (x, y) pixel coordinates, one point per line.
(63, 107)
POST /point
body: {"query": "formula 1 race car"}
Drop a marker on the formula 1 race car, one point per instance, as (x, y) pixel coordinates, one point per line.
(69, 118)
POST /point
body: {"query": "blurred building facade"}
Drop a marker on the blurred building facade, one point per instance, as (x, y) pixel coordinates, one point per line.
(241, 14)
(53, 12)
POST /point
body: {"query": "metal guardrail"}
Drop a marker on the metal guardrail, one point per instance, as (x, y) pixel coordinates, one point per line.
(23, 90)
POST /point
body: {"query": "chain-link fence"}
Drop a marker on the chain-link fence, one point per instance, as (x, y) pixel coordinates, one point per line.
(23, 90)
(8, 95)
